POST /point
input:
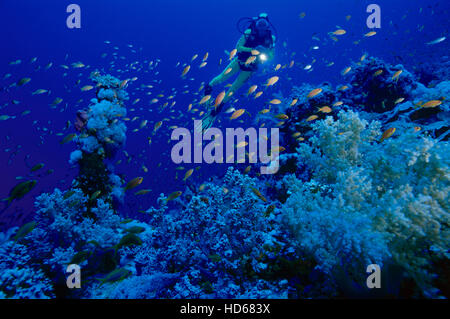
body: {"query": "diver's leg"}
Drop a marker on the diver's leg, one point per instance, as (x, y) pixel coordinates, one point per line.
(209, 119)
(237, 84)
(222, 77)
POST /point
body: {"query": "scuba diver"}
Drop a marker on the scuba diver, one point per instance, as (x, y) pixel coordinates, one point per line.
(257, 38)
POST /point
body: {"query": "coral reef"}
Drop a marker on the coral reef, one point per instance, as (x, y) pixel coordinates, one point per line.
(101, 136)
(366, 196)
(20, 278)
(364, 182)
(375, 86)
(225, 242)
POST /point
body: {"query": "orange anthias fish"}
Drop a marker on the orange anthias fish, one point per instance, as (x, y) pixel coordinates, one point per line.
(250, 60)
(205, 99)
(282, 117)
(432, 103)
(157, 126)
(258, 193)
(275, 101)
(314, 92)
(272, 81)
(186, 70)
(325, 109)
(339, 32)
(219, 99)
(346, 70)
(237, 114)
(377, 73)
(294, 101)
(232, 54)
(397, 74)
(312, 118)
(174, 195)
(134, 183)
(388, 133)
(188, 173)
(252, 89)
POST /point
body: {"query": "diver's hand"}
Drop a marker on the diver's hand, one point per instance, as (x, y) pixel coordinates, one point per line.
(263, 54)
(261, 49)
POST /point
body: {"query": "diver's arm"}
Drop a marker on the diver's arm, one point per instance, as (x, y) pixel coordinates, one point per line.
(240, 45)
(271, 51)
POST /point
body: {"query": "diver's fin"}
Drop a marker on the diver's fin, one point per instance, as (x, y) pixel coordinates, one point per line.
(206, 123)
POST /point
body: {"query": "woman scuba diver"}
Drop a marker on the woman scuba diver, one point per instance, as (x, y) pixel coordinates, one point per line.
(258, 36)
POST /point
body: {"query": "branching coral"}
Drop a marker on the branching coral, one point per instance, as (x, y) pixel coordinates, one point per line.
(391, 194)
(222, 244)
(19, 277)
(376, 85)
(101, 136)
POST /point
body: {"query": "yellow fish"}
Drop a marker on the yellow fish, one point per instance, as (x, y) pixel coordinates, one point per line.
(370, 34)
(219, 99)
(325, 109)
(282, 117)
(188, 173)
(237, 114)
(258, 193)
(186, 70)
(250, 60)
(339, 32)
(397, 74)
(174, 195)
(312, 118)
(272, 81)
(87, 88)
(275, 101)
(432, 103)
(294, 101)
(242, 144)
(377, 73)
(232, 54)
(205, 99)
(252, 89)
(133, 183)
(314, 92)
(388, 133)
(346, 70)
(157, 126)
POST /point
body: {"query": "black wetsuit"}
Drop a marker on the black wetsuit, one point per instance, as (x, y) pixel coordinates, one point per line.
(253, 40)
